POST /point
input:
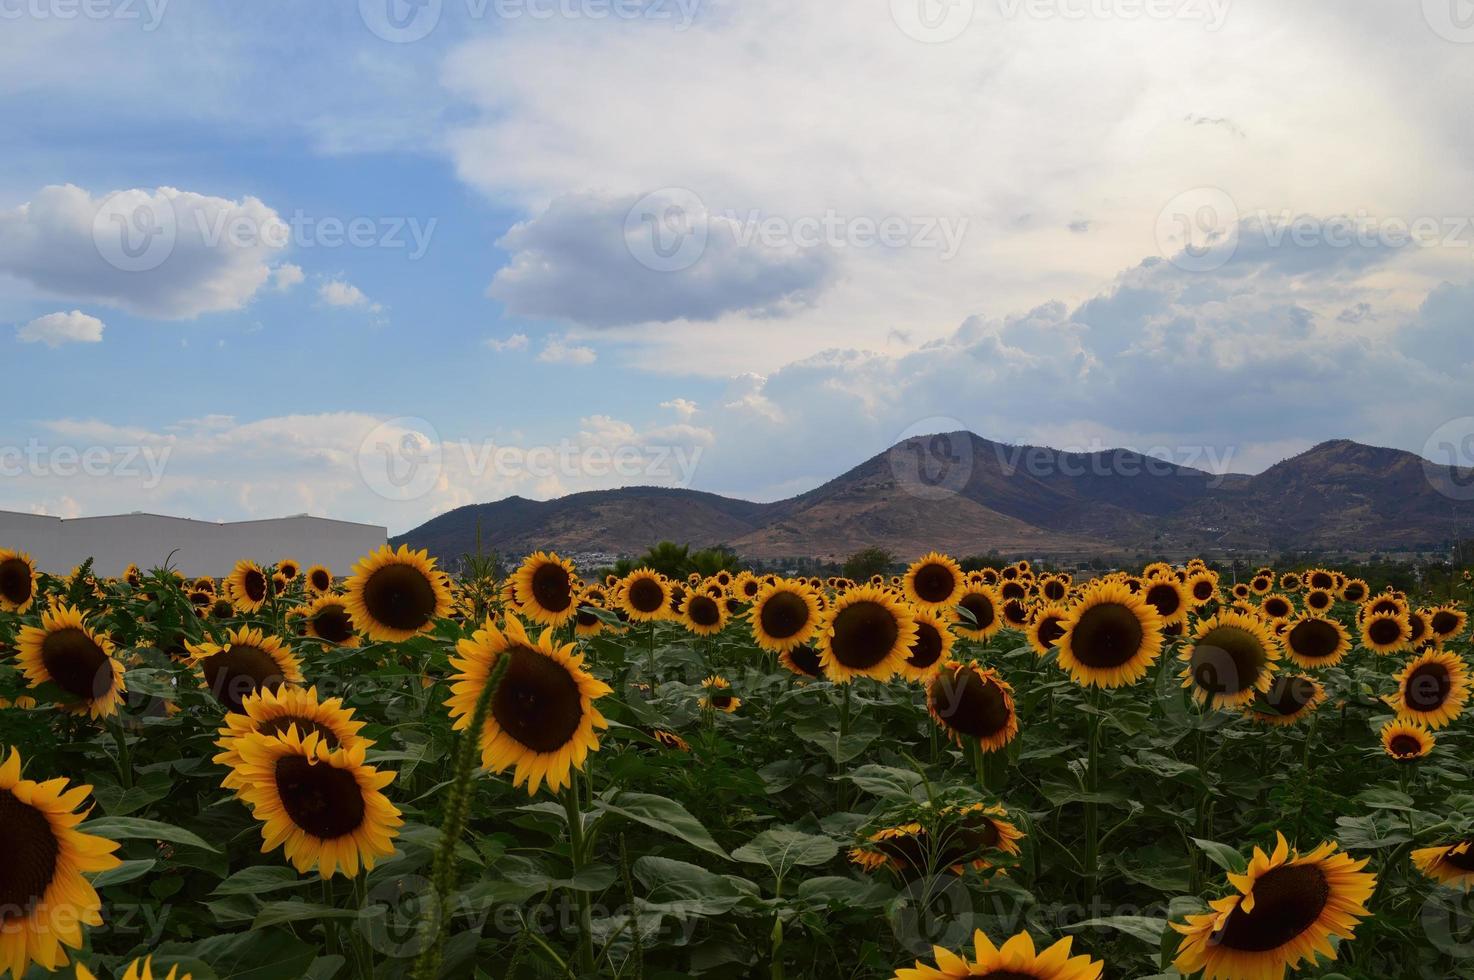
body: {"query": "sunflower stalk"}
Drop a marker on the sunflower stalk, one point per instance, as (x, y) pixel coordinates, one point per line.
(1092, 810)
(577, 845)
(436, 926)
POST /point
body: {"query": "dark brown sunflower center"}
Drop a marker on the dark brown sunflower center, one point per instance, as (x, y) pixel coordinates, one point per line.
(1107, 635)
(253, 583)
(1315, 639)
(1276, 608)
(751, 588)
(1405, 745)
(982, 611)
(1202, 590)
(15, 581)
(539, 702)
(222, 609)
(865, 633)
(1354, 593)
(321, 581)
(1227, 660)
(1427, 687)
(400, 597)
(806, 659)
(934, 583)
(77, 664)
(1387, 607)
(1054, 591)
(703, 611)
(969, 703)
(1318, 600)
(1320, 580)
(783, 615)
(1290, 694)
(324, 801)
(719, 698)
(1419, 626)
(1050, 629)
(1445, 623)
(586, 617)
(552, 588)
(1287, 901)
(305, 727)
(1464, 861)
(926, 649)
(1165, 597)
(31, 852)
(646, 595)
(333, 624)
(1384, 631)
(238, 671)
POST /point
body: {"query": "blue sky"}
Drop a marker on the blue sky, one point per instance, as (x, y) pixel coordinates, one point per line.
(1222, 232)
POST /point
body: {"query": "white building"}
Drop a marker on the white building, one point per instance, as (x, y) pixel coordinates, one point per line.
(192, 547)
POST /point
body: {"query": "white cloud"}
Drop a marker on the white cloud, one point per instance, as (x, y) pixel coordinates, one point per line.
(517, 341)
(165, 253)
(558, 351)
(345, 295)
(55, 329)
(287, 275)
(684, 408)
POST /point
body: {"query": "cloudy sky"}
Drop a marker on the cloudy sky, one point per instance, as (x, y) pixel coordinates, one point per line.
(375, 259)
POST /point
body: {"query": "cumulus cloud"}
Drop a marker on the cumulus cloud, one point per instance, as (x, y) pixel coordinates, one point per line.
(164, 253)
(684, 408)
(517, 341)
(345, 295)
(287, 275)
(558, 351)
(55, 329)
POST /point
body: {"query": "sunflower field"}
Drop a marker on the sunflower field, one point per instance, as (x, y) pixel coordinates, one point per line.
(1010, 773)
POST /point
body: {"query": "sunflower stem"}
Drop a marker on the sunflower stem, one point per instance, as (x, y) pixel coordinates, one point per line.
(125, 758)
(436, 926)
(574, 810)
(1092, 812)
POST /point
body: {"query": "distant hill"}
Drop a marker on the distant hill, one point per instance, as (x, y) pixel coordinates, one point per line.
(964, 494)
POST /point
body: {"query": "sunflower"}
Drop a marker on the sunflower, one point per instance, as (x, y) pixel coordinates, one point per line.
(133, 576)
(319, 579)
(934, 582)
(394, 595)
(718, 696)
(1314, 641)
(1292, 582)
(803, 661)
(327, 618)
(957, 838)
(66, 652)
(1016, 960)
(1276, 607)
(930, 650)
(1231, 659)
(1417, 621)
(970, 702)
(1202, 587)
(867, 632)
(542, 718)
(1287, 908)
(249, 586)
(1169, 597)
(1047, 626)
(17, 581)
(249, 660)
(1291, 698)
(981, 619)
(703, 615)
(644, 596)
(324, 807)
(1385, 632)
(785, 616)
(1449, 864)
(44, 897)
(586, 622)
(289, 569)
(1261, 584)
(670, 740)
(1388, 603)
(1445, 623)
(1320, 578)
(1354, 590)
(1406, 741)
(139, 969)
(545, 584)
(747, 586)
(1110, 638)
(1432, 689)
(268, 712)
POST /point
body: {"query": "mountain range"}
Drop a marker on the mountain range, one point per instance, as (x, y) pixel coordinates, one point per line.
(963, 494)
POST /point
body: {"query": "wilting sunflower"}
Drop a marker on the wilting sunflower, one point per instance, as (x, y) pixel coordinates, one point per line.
(319, 579)
(1385, 633)
(1432, 689)
(327, 618)
(785, 616)
(66, 652)
(1449, 864)
(867, 632)
(325, 808)
(1406, 741)
(249, 660)
(1047, 626)
(1111, 637)
(1276, 607)
(1016, 960)
(394, 595)
(44, 897)
(542, 717)
(930, 650)
(17, 581)
(719, 696)
(1169, 597)
(249, 586)
(268, 712)
(1231, 659)
(970, 702)
(1446, 623)
(803, 661)
(982, 619)
(934, 582)
(954, 838)
(645, 596)
(1314, 641)
(1202, 587)
(670, 740)
(1287, 909)
(1290, 698)
(703, 615)
(545, 584)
